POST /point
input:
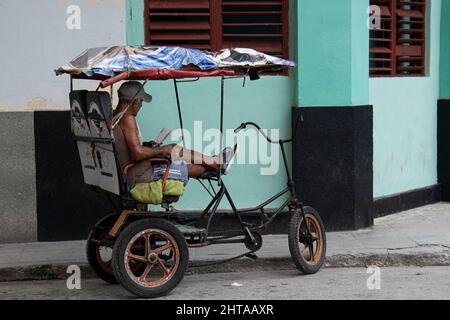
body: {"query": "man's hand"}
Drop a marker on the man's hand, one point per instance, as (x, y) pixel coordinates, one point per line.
(151, 144)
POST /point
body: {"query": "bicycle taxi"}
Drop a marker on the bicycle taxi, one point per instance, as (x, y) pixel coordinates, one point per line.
(150, 249)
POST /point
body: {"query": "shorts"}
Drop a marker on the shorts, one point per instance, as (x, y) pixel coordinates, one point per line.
(178, 171)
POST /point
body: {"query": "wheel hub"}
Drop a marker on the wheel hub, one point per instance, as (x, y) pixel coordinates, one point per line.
(152, 258)
(252, 245)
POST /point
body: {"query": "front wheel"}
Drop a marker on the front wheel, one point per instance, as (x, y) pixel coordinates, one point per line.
(307, 241)
(157, 245)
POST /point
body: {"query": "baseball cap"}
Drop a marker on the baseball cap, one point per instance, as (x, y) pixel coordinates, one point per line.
(132, 90)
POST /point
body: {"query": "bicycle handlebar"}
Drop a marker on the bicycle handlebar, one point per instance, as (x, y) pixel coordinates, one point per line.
(244, 126)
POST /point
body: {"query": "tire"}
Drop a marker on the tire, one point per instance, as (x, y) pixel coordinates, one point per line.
(298, 242)
(131, 245)
(101, 267)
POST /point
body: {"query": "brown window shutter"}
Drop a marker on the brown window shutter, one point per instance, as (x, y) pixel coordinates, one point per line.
(411, 43)
(217, 24)
(382, 40)
(178, 23)
(261, 25)
(399, 47)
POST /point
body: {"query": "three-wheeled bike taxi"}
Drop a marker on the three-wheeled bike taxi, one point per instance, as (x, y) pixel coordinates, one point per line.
(148, 250)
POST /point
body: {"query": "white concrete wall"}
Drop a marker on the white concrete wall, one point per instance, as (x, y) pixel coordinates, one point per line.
(35, 40)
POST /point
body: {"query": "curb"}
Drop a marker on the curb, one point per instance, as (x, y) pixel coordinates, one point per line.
(58, 271)
(42, 272)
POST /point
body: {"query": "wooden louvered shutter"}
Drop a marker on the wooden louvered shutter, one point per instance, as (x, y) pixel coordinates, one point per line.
(178, 23)
(382, 40)
(398, 48)
(261, 25)
(217, 24)
(410, 50)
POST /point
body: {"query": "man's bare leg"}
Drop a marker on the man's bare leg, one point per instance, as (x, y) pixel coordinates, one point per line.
(192, 157)
(196, 171)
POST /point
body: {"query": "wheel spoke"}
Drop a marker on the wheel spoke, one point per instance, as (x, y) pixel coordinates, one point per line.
(311, 252)
(163, 248)
(137, 258)
(147, 244)
(302, 233)
(146, 272)
(308, 226)
(163, 267)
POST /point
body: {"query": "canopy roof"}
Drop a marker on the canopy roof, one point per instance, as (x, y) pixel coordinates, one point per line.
(151, 62)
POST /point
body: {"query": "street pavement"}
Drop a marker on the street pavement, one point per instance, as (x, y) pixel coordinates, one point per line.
(396, 283)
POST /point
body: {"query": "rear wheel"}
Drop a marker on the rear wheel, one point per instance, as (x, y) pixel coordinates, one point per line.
(98, 252)
(307, 241)
(160, 247)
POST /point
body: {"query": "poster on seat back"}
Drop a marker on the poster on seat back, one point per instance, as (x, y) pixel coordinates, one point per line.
(105, 160)
(99, 114)
(90, 172)
(99, 166)
(80, 126)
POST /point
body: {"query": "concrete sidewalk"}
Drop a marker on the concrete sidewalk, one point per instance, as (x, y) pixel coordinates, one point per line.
(419, 237)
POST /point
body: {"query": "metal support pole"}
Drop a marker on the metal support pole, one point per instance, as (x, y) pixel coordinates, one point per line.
(180, 116)
(111, 93)
(222, 103)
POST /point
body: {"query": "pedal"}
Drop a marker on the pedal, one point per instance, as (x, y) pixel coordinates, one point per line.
(252, 256)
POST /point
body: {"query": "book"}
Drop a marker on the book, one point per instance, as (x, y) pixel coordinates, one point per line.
(162, 136)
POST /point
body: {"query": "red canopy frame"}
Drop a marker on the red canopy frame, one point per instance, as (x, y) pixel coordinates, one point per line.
(157, 74)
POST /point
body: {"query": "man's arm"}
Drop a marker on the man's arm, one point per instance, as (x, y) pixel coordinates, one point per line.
(137, 151)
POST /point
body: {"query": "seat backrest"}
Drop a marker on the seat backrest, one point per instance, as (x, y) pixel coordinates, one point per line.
(90, 118)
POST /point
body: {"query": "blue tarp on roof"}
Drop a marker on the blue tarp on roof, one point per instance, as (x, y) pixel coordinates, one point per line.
(110, 61)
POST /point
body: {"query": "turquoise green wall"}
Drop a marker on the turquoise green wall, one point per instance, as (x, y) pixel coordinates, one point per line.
(135, 22)
(333, 49)
(267, 101)
(445, 50)
(405, 120)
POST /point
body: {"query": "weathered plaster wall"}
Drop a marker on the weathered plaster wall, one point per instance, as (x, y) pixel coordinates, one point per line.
(35, 40)
(18, 221)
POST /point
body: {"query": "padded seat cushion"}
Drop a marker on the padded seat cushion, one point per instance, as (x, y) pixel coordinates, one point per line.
(153, 193)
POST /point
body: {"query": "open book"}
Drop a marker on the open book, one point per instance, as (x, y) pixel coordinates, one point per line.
(162, 136)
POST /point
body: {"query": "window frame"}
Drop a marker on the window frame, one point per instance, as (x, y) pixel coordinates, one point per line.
(394, 41)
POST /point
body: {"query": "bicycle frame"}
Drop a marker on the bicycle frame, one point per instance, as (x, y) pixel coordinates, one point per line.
(210, 211)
